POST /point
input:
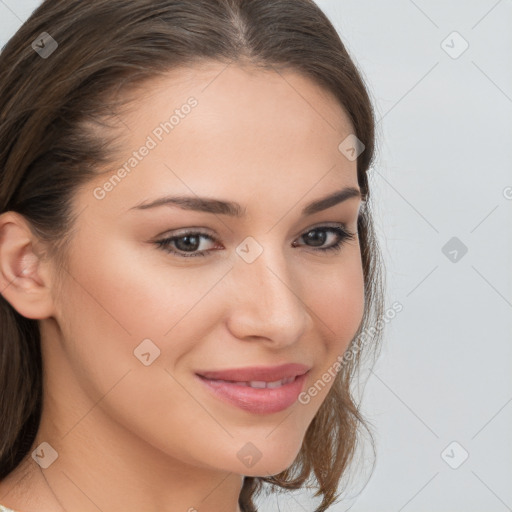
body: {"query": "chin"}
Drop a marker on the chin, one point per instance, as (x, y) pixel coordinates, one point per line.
(268, 466)
(267, 470)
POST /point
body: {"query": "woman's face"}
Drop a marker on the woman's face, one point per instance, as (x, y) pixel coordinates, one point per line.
(138, 322)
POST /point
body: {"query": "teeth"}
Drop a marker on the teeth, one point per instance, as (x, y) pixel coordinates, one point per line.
(257, 384)
(261, 384)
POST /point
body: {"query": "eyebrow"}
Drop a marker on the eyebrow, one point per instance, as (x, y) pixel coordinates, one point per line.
(219, 207)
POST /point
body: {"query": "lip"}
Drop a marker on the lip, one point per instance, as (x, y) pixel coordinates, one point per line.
(260, 373)
(257, 400)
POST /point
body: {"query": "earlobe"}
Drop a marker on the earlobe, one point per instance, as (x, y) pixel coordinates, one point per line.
(24, 281)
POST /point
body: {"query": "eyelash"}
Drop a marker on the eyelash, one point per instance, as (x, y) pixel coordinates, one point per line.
(342, 232)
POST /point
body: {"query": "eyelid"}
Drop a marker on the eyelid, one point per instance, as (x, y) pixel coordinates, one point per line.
(211, 233)
(344, 235)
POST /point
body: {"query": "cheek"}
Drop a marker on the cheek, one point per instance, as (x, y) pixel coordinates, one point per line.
(131, 291)
(117, 296)
(336, 299)
(106, 310)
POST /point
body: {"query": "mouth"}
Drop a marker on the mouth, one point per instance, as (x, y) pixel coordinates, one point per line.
(260, 392)
(256, 384)
(273, 375)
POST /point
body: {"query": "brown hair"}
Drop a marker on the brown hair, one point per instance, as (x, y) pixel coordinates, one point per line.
(49, 109)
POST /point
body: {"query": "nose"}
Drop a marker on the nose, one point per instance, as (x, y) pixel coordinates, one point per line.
(266, 301)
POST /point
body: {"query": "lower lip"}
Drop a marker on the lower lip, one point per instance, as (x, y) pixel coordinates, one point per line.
(257, 400)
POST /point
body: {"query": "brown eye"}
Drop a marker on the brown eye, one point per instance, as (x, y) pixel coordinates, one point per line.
(187, 244)
(342, 235)
(184, 243)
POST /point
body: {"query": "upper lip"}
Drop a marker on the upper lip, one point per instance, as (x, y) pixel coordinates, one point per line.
(257, 373)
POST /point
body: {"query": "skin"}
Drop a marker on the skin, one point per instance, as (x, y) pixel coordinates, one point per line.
(153, 433)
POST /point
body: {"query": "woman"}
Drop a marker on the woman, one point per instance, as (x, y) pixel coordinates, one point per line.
(187, 255)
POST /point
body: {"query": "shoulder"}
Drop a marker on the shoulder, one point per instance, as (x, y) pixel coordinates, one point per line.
(18, 484)
(5, 509)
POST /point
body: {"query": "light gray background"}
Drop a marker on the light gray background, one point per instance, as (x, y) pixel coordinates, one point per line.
(442, 171)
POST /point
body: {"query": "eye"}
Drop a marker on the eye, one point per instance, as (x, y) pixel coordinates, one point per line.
(186, 242)
(190, 241)
(341, 234)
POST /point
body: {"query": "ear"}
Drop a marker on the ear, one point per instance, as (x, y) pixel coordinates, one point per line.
(24, 272)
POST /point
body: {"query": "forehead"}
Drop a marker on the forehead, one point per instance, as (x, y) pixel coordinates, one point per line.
(218, 84)
(217, 129)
